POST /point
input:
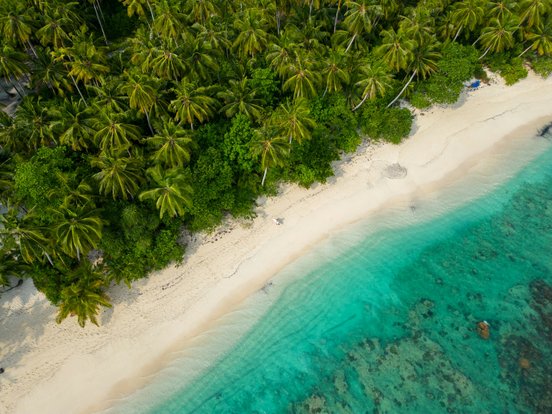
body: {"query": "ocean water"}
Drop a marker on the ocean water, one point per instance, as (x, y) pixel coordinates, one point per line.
(382, 318)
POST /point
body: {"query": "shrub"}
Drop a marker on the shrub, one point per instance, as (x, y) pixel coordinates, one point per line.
(389, 124)
(542, 65)
(510, 68)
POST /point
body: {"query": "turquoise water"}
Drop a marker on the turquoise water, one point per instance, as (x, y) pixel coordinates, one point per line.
(389, 325)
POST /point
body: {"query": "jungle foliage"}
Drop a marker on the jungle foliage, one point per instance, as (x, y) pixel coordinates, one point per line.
(137, 118)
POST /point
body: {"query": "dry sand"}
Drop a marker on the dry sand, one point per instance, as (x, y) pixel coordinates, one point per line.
(54, 368)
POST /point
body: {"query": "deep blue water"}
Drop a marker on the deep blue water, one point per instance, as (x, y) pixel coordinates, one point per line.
(389, 324)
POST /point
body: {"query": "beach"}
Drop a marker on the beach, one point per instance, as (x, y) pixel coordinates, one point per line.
(54, 368)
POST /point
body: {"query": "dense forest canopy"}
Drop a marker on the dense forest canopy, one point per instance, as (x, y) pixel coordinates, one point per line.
(135, 118)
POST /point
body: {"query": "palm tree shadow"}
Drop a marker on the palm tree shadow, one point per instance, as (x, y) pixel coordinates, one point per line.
(22, 323)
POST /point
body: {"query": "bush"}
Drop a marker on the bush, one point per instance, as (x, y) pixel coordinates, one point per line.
(420, 100)
(212, 180)
(236, 145)
(36, 178)
(166, 248)
(542, 65)
(389, 124)
(510, 68)
(311, 161)
(266, 86)
(458, 64)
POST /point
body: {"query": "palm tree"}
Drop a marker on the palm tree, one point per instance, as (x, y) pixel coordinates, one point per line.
(84, 297)
(240, 98)
(374, 80)
(142, 95)
(532, 11)
(501, 9)
(109, 96)
(272, 149)
(34, 123)
(78, 229)
(358, 19)
(113, 134)
(137, 7)
(6, 175)
(88, 63)
(202, 10)
(467, 14)
(50, 73)
(24, 235)
(252, 38)
(282, 53)
(294, 121)
(418, 27)
(170, 191)
(119, 176)
(302, 78)
(335, 70)
(16, 23)
(54, 32)
(192, 103)
(209, 34)
(423, 64)
(498, 36)
(165, 62)
(62, 55)
(540, 38)
(13, 66)
(169, 21)
(396, 49)
(201, 59)
(172, 145)
(71, 194)
(73, 122)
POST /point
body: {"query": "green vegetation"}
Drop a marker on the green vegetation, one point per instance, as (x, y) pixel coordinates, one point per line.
(140, 117)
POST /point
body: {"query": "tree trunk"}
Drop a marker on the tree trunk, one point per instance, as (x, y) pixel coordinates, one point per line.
(361, 102)
(310, 9)
(78, 89)
(99, 21)
(32, 49)
(350, 43)
(151, 11)
(403, 89)
(290, 139)
(522, 53)
(337, 15)
(457, 34)
(264, 177)
(149, 123)
(484, 54)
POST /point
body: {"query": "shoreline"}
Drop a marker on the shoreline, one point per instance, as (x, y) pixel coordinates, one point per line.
(54, 368)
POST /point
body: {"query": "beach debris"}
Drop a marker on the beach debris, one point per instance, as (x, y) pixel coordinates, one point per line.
(1, 370)
(278, 221)
(483, 329)
(395, 171)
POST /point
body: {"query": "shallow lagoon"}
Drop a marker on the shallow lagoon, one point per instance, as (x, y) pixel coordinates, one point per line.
(385, 321)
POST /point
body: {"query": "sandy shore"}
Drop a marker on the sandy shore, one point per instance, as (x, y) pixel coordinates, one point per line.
(54, 368)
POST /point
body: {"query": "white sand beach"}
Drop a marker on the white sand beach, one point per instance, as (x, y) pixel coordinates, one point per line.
(51, 368)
